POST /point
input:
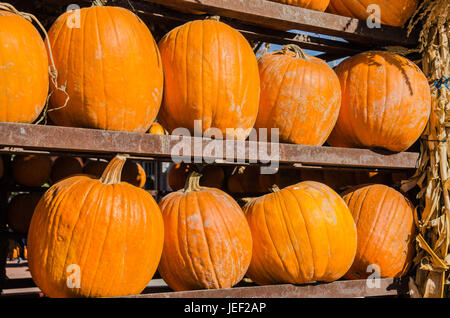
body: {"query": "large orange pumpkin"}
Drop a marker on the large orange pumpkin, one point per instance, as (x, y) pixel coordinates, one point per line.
(64, 167)
(210, 74)
(132, 172)
(31, 170)
(212, 176)
(24, 76)
(207, 242)
(21, 209)
(385, 102)
(302, 233)
(109, 232)
(319, 5)
(386, 231)
(300, 95)
(112, 68)
(394, 13)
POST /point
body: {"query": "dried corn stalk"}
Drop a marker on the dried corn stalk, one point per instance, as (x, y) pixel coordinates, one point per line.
(432, 260)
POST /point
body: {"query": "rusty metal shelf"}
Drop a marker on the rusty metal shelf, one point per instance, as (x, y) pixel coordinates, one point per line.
(20, 138)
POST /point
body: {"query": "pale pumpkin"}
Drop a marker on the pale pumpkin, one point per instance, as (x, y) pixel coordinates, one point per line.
(31, 170)
(394, 13)
(21, 209)
(24, 77)
(386, 232)
(319, 5)
(111, 231)
(386, 102)
(210, 75)
(302, 233)
(207, 241)
(300, 96)
(112, 70)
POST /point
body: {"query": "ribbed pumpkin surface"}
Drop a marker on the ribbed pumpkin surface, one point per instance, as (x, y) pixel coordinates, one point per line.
(300, 95)
(112, 230)
(394, 13)
(385, 102)
(24, 76)
(385, 223)
(302, 233)
(210, 74)
(207, 240)
(319, 5)
(113, 71)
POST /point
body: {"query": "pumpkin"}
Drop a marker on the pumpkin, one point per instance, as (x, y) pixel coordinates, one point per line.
(110, 230)
(64, 167)
(214, 80)
(319, 5)
(300, 95)
(207, 241)
(385, 102)
(394, 13)
(302, 233)
(132, 172)
(112, 68)
(157, 129)
(212, 176)
(21, 209)
(386, 231)
(31, 170)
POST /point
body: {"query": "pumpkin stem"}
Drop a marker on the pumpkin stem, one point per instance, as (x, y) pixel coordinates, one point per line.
(275, 188)
(98, 3)
(113, 171)
(213, 17)
(299, 53)
(193, 182)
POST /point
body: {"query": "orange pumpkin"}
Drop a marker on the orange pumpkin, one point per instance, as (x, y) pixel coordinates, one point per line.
(214, 80)
(394, 13)
(132, 172)
(386, 102)
(386, 231)
(21, 209)
(112, 68)
(64, 167)
(207, 241)
(302, 233)
(212, 176)
(319, 5)
(24, 76)
(300, 95)
(109, 232)
(31, 170)
(157, 129)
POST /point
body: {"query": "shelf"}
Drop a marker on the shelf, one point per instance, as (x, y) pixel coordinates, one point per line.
(23, 138)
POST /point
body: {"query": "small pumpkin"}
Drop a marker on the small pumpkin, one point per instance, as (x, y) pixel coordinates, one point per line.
(207, 241)
(64, 167)
(394, 13)
(112, 69)
(31, 170)
(319, 5)
(112, 230)
(212, 176)
(157, 129)
(302, 233)
(24, 77)
(214, 80)
(132, 172)
(386, 232)
(386, 102)
(300, 96)
(21, 209)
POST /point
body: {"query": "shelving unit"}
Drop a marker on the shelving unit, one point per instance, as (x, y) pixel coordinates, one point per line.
(258, 20)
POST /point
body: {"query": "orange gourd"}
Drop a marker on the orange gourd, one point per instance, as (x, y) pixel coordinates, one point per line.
(212, 176)
(210, 74)
(302, 233)
(319, 5)
(132, 172)
(64, 167)
(21, 209)
(386, 231)
(157, 129)
(112, 68)
(31, 170)
(300, 95)
(24, 76)
(207, 240)
(385, 102)
(111, 230)
(394, 13)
